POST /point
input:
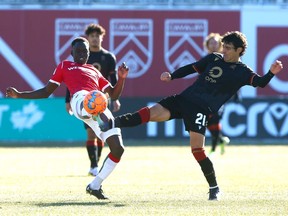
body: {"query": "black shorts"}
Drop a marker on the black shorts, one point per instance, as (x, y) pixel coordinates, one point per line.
(194, 117)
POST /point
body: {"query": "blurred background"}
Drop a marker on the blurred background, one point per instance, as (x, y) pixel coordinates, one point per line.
(151, 36)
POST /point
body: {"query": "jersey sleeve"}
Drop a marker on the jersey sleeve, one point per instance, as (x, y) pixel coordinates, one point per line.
(103, 83)
(57, 76)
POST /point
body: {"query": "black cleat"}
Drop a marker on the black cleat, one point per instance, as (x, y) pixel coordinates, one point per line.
(214, 194)
(105, 123)
(97, 193)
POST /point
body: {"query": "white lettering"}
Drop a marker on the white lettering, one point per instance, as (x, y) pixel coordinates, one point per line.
(252, 117)
(3, 108)
(20, 67)
(232, 128)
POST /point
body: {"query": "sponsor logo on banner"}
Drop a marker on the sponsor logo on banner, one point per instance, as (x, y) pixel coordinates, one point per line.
(276, 49)
(259, 119)
(131, 40)
(183, 42)
(66, 29)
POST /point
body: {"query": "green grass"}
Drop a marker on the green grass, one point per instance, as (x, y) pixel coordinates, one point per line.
(148, 181)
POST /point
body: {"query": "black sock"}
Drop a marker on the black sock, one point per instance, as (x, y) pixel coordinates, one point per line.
(93, 155)
(215, 139)
(99, 152)
(208, 171)
(128, 120)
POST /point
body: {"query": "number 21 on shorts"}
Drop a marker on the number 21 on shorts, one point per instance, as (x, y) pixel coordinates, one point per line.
(201, 119)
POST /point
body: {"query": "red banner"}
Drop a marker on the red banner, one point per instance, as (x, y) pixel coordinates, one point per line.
(33, 42)
(267, 52)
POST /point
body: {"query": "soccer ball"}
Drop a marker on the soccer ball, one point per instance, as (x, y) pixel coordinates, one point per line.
(95, 102)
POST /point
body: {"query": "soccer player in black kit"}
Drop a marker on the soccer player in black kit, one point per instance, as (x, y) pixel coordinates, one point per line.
(105, 62)
(220, 77)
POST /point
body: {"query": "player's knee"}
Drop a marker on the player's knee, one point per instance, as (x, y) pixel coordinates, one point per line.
(118, 151)
(199, 154)
(116, 145)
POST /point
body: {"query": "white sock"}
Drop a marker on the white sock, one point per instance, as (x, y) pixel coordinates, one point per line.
(104, 172)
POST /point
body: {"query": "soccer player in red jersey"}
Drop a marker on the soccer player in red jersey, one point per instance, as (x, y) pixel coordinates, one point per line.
(105, 62)
(220, 77)
(81, 78)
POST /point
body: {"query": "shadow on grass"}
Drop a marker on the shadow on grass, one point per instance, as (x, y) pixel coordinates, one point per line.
(96, 203)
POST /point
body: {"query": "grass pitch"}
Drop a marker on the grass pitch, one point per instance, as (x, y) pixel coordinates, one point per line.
(160, 180)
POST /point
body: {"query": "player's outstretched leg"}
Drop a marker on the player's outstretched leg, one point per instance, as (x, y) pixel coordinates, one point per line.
(117, 149)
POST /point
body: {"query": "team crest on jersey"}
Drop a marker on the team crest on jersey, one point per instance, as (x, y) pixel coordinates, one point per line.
(183, 42)
(66, 29)
(131, 40)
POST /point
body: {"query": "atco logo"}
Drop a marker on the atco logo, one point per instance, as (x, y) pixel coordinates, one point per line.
(183, 42)
(131, 40)
(215, 72)
(66, 29)
(261, 119)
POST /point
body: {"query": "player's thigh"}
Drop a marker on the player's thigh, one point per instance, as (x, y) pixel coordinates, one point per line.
(197, 140)
(90, 133)
(158, 113)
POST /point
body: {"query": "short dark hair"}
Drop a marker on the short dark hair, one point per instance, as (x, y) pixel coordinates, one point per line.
(236, 38)
(79, 39)
(95, 28)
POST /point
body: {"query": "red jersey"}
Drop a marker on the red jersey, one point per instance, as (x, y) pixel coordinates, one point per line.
(79, 77)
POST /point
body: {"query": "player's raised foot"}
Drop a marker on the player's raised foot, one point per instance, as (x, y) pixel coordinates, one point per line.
(105, 123)
(224, 141)
(97, 193)
(93, 171)
(214, 194)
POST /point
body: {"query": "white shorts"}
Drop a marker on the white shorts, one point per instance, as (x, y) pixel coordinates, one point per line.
(80, 113)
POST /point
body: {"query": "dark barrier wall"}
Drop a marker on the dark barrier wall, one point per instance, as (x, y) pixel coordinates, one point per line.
(253, 119)
(46, 120)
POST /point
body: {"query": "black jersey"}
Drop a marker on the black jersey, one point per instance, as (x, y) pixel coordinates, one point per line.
(217, 82)
(105, 62)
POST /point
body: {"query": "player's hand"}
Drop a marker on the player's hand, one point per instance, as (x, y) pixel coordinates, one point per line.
(116, 106)
(165, 76)
(68, 108)
(12, 93)
(123, 70)
(276, 67)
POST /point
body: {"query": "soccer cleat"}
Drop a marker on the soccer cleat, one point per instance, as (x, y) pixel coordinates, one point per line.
(214, 194)
(97, 193)
(93, 171)
(224, 141)
(105, 123)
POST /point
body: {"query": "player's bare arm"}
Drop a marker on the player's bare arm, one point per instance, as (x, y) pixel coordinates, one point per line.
(115, 92)
(44, 92)
(276, 67)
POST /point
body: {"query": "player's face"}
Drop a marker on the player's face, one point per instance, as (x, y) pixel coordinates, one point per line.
(213, 45)
(95, 40)
(80, 52)
(230, 53)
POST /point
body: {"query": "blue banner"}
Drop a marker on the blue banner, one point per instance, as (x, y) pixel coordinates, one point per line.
(38, 120)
